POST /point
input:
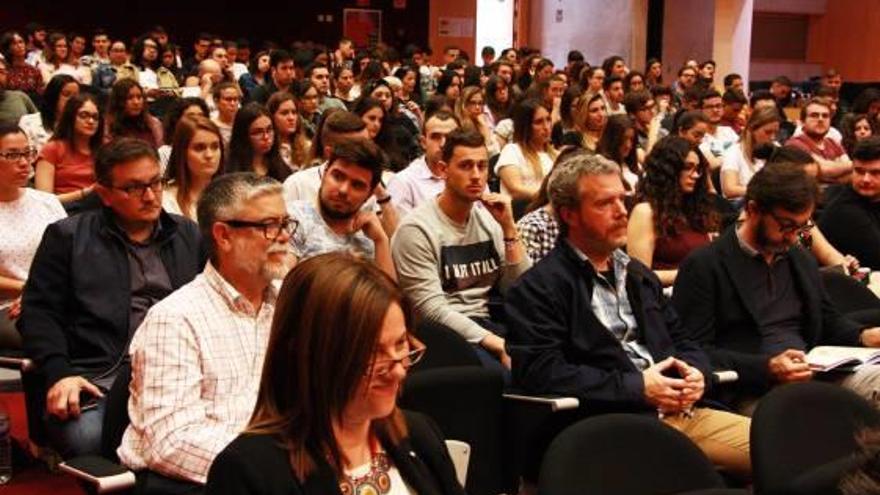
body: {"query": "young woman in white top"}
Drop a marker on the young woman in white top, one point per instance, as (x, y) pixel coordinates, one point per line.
(197, 156)
(56, 55)
(524, 162)
(739, 163)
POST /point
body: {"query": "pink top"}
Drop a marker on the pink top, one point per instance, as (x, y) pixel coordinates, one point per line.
(73, 170)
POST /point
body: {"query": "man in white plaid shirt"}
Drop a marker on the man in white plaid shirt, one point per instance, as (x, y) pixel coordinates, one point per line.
(198, 356)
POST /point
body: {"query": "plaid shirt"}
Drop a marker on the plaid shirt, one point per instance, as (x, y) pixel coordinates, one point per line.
(539, 231)
(196, 365)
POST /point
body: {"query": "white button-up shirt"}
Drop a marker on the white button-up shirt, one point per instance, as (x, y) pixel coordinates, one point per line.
(413, 185)
(196, 364)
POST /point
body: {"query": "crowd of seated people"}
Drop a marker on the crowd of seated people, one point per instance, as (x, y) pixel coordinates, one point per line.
(153, 199)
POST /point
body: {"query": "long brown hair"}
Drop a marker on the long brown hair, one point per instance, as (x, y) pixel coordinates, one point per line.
(759, 118)
(327, 322)
(178, 173)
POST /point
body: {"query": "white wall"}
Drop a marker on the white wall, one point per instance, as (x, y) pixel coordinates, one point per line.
(598, 28)
(494, 26)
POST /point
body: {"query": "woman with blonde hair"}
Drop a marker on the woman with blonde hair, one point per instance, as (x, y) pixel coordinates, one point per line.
(739, 162)
(469, 109)
(326, 418)
(197, 157)
(589, 122)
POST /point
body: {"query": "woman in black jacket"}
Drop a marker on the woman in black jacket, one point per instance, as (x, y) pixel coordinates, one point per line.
(326, 420)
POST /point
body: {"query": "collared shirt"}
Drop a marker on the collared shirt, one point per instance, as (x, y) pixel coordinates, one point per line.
(196, 366)
(150, 282)
(413, 185)
(610, 304)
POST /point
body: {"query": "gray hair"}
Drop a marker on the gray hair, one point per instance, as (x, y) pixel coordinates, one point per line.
(562, 188)
(226, 196)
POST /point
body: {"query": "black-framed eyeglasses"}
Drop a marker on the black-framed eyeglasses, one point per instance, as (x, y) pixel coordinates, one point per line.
(786, 226)
(410, 359)
(139, 190)
(272, 229)
(28, 154)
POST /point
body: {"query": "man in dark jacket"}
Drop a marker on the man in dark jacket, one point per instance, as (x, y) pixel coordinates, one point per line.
(754, 300)
(587, 321)
(93, 278)
(282, 77)
(852, 221)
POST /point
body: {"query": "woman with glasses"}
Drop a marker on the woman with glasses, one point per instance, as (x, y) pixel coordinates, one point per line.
(674, 213)
(66, 164)
(127, 115)
(56, 55)
(227, 98)
(253, 147)
(326, 419)
(197, 157)
(155, 79)
(470, 112)
(24, 215)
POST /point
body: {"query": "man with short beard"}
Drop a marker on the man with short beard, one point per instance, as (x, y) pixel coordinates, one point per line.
(753, 299)
(834, 164)
(337, 220)
(197, 358)
(852, 221)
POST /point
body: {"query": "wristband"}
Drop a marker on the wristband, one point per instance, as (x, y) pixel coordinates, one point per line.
(510, 241)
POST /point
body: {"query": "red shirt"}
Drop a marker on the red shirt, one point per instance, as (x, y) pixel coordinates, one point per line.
(830, 150)
(73, 170)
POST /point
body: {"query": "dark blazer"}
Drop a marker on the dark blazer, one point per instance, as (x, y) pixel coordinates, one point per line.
(259, 465)
(558, 345)
(77, 300)
(719, 312)
(852, 225)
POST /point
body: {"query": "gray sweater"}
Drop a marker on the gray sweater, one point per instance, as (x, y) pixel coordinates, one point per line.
(448, 269)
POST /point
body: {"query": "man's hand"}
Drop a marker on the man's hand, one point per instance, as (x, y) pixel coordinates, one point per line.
(870, 337)
(495, 345)
(369, 223)
(14, 309)
(667, 394)
(790, 366)
(695, 383)
(62, 400)
(498, 205)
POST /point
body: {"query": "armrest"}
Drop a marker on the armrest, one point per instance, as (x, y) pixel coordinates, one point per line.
(15, 363)
(554, 403)
(460, 452)
(725, 376)
(104, 475)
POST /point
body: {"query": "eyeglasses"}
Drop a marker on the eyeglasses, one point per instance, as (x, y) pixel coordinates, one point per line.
(266, 131)
(84, 115)
(410, 359)
(818, 115)
(787, 227)
(717, 106)
(139, 190)
(28, 154)
(271, 230)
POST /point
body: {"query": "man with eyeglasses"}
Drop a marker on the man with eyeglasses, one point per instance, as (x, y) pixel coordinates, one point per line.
(718, 138)
(754, 300)
(851, 222)
(92, 280)
(197, 358)
(642, 109)
(834, 164)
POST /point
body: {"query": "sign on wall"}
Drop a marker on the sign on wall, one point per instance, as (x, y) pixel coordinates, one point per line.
(362, 26)
(456, 27)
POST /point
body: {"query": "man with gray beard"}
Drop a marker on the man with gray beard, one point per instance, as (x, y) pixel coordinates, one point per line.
(197, 357)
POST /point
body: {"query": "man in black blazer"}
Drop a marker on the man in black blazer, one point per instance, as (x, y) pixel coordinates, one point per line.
(587, 321)
(754, 298)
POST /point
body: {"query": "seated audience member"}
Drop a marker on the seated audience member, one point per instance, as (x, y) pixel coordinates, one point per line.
(66, 164)
(156, 80)
(227, 98)
(20, 75)
(641, 109)
(854, 128)
(422, 180)
(451, 252)
(93, 279)
(319, 75)
(106, 74)
(589, 120)
(590, 322)
(56, 61)
(127, 115)
(281, 77)
(14, 104)
(718, 138)
(338, 127)
(326, 419)
(398, 136)
(739, 162)
(828, 96)
(851, 222)
(732, 116)
(293, 144)
(40, 126)
(612, 90)
(675, 212)
(198, 355)
(257, 75)
(754, 300)
(523, 163)
(182, 107)
(24, 215)
(336, 221)
(499, 101)
(834, 164)
(253, 147)
(449, 87)
(201, 85)
(372, 112)
(197, 156)
(344, 89)
(470, 113)
(618, 144)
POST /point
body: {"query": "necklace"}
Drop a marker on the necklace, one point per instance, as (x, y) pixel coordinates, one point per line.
(375, 482)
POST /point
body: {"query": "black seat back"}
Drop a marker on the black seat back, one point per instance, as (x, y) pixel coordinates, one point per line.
(116, 418)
